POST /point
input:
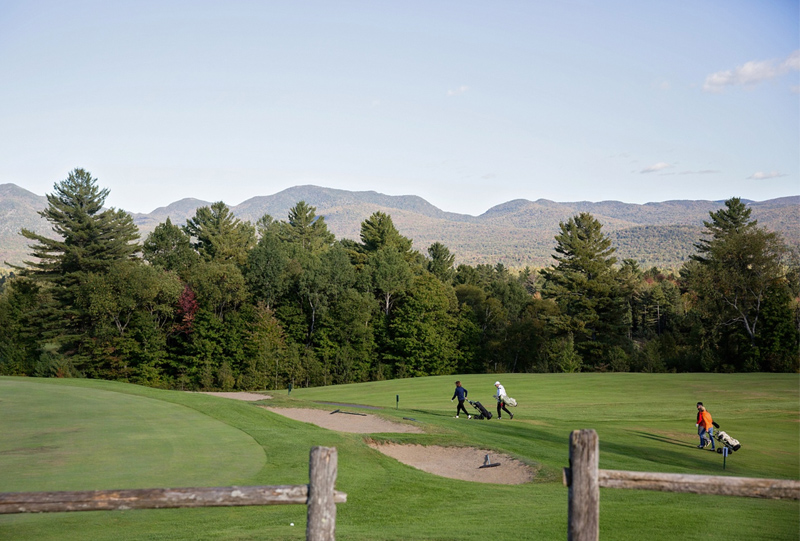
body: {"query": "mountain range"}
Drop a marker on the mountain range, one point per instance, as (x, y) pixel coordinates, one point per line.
(517, 233)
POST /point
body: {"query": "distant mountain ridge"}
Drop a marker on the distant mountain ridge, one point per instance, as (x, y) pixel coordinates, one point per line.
(516, 233)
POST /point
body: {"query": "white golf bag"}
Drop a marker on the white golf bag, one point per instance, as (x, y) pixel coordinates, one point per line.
(729, 442)
(508, 400)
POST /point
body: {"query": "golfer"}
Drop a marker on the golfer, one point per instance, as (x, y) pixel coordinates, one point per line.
(705, 427)
(501, 392)
(461, 394)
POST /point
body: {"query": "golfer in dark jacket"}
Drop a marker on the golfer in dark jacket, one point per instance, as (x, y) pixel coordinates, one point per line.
(461, 394)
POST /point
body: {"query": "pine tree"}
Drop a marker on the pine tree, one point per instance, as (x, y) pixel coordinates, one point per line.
(587, 288)
(219, 236)
(305, 229)
(170, 248)
(441, 262)
(739, 266)
(88, 239)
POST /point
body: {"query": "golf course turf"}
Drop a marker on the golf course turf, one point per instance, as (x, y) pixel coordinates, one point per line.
(73, 434)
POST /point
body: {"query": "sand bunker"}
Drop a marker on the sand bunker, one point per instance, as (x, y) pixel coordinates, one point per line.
(250, 397)
(344, 422)
(455, 462)
(459, 463)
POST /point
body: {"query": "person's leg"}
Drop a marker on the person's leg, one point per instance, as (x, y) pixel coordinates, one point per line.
(700, 431)
(498, 410)
(711, 437)
(510, 415)
(704, 439)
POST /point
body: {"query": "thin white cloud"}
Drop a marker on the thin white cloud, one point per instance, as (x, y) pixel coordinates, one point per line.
(701, 172)
(656, 167)
(460, 90)
(662, 84)
(763, 176)
(752, 73)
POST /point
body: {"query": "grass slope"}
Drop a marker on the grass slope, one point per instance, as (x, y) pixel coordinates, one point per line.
(645, 422)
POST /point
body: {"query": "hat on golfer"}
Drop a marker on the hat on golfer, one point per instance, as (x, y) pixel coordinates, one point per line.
(497, 383)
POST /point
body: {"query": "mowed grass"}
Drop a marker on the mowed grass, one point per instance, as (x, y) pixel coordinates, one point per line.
(64, 434)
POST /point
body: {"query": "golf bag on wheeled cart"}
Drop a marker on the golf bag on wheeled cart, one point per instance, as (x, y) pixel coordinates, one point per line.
(483, 413)
(731, 443)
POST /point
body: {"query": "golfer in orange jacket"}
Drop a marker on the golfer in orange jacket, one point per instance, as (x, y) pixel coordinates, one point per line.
(705, 427)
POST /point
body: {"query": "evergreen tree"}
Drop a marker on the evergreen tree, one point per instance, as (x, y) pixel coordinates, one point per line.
(88, 240)
(378, 231)
(219, 236)
(440, 262)
(740, 268)
(170, 248)
(587, 288)
(305, 229)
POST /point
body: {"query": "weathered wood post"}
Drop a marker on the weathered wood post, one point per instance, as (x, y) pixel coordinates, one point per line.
(322, 470)
(584, 491)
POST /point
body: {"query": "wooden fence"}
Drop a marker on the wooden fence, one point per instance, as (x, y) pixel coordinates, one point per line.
(319, 495)
(584, 480)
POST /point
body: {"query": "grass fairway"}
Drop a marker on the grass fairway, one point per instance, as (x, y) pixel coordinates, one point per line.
(81, 434)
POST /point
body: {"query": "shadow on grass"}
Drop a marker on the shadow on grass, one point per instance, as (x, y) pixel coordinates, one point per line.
(689, 458)
(662, 439)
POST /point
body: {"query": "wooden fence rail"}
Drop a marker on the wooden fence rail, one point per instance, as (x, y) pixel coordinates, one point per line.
(319, 495)
(584, 480)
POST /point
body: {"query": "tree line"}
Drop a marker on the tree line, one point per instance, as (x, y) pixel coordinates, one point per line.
(220, 303)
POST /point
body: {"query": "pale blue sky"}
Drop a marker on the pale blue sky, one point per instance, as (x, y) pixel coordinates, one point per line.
(467, 104)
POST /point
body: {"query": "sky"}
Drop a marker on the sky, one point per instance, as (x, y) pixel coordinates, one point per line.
(467, 104)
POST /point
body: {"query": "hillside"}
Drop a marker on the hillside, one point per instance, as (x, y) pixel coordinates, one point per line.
(516, 233)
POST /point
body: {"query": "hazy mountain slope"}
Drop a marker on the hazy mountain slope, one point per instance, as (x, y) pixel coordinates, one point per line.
(19, 209)
(178, 212)
(515, 233)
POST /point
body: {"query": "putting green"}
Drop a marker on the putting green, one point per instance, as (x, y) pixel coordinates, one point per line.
(81, 438)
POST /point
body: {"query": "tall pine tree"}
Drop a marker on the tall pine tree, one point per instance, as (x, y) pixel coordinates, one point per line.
(88, 239)
(587, 288)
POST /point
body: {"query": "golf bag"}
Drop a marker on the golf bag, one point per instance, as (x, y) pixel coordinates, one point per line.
(508, 400)
(483, 413)
(729, 442)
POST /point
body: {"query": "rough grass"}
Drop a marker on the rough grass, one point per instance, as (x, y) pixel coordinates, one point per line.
(645, 422)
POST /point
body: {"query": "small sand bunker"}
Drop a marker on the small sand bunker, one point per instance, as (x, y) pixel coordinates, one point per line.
(250, 397)
(459, 463)
(344, 422)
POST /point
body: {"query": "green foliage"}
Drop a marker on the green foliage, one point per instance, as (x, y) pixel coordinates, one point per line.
(170, 248)
(740, 268)
(422, 330)
(441, 262)
(378, 232)
(587, 288)
(563, 355)
(210, 308)
(305, 229)
(219, 236)
(90, 241)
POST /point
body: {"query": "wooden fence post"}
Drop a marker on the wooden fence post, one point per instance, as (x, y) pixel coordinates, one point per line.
(584, 491)
(322, 470)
